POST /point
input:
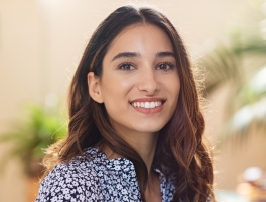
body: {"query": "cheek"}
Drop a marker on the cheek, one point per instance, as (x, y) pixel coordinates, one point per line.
(115, 94)
(116, 86)
(175, 89)
(174, 84)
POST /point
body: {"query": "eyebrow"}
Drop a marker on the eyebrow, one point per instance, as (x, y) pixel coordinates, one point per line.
(165, 54)
(135, 54)
(126, 55)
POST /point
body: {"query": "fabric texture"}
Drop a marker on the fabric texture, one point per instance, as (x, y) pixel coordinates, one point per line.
(93, 177)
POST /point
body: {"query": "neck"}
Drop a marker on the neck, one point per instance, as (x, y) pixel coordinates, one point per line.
(143, 143)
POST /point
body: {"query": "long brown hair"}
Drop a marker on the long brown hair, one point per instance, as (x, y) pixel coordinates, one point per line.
(180, 152)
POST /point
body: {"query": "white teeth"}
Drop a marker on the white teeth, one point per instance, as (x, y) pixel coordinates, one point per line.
(147, 105)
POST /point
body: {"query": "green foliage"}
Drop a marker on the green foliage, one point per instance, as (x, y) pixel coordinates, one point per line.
(241, 64)
(42, 127)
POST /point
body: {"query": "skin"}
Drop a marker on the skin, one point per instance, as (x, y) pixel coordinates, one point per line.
(138, 67)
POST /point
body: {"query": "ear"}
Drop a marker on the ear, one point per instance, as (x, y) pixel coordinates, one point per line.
(94, 87)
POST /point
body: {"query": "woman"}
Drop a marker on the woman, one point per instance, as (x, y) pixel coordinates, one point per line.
(135, 129)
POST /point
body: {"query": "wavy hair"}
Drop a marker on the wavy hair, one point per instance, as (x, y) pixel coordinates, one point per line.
(180, 151)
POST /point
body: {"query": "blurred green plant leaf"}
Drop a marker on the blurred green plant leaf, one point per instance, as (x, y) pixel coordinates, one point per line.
(241, 64)
(29, 137)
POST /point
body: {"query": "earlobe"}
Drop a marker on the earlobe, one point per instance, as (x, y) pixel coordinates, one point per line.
(94, 87)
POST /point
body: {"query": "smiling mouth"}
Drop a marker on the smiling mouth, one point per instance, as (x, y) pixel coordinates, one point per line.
(147, 105)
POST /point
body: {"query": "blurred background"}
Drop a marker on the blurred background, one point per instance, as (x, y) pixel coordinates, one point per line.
(41, 42)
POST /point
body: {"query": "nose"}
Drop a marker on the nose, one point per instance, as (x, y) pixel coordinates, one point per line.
(148, 82)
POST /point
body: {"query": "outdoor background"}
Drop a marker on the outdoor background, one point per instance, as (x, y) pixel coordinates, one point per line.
(40, 46)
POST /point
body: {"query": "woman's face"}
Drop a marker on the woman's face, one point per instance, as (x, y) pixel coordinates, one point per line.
(140, 84)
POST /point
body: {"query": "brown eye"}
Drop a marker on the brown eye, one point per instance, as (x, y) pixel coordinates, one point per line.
(126, 66)
(165, 66)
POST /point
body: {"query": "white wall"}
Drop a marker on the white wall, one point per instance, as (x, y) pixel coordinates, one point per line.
(40, 45)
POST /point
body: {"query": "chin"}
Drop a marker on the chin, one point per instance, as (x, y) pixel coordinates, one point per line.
(149, 129)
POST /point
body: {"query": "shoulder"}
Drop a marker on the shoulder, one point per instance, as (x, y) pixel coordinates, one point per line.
(75, 180)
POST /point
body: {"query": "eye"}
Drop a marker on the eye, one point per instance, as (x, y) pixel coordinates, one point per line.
(165, 66)
(126, 66)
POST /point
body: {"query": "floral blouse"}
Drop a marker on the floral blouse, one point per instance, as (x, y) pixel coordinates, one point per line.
(95, 178)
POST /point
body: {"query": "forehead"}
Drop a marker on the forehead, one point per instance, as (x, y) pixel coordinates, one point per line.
(141, 35)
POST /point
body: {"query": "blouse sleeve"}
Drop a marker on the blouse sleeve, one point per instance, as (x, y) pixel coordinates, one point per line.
(67, 183)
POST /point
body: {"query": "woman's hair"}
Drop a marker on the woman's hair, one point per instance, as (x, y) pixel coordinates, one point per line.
(180, 152)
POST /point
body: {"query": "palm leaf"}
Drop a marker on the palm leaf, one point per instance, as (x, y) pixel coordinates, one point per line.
(241, 64)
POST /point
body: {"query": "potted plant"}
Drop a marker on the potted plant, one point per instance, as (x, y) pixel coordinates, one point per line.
(41, 127)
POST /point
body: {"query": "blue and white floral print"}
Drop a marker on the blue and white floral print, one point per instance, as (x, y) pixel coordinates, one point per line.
(93, 177)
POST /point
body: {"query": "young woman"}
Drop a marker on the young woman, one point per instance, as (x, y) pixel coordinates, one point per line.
(135, 129)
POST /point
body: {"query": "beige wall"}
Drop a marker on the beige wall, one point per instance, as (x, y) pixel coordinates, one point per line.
(232, 158)
(20, 76)
(40, 45)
